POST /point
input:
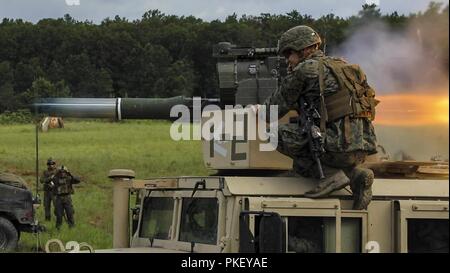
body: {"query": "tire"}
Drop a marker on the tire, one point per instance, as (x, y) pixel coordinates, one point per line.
(9, 236)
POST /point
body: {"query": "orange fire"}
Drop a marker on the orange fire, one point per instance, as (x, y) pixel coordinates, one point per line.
(413, 109)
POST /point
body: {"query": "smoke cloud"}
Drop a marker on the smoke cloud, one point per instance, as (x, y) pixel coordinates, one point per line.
(398, 61)
(408, 62)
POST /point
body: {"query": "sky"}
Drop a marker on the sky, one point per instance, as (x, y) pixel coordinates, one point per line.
(97, 10)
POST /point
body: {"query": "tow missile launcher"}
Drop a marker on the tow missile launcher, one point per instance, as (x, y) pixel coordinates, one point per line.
(252, 204)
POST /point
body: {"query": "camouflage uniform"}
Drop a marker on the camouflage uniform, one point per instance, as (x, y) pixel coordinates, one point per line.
(49, 198)
(63, 201)
(344, 153)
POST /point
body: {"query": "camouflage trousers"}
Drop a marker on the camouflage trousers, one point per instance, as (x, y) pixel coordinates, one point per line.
(49, 198)
(63, 205)
(295, 145)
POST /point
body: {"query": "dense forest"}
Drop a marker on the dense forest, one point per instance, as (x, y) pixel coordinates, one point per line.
(159, 55)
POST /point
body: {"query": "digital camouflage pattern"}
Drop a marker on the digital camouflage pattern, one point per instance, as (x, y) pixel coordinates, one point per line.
(343, 153)
(49, 198)
(63, 202)
(298, 38)
(63, 205)
(362, 180)
(47, 178)
(304, 81)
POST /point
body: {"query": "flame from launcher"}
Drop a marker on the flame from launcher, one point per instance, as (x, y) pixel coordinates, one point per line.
(413, 109)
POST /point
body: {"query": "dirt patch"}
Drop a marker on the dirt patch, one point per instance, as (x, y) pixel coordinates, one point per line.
(96, 221)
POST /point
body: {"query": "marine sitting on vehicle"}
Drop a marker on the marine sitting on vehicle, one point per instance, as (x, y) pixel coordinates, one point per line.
(340, 105)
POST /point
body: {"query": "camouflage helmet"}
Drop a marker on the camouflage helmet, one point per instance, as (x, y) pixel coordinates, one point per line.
(50, 161)
(298, 38)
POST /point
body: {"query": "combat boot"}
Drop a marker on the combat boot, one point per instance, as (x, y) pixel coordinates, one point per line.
(361, 185)
(329, 184)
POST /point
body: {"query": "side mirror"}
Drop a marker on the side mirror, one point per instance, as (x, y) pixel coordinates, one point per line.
(246, 238)
(270, 234)
(272, 237)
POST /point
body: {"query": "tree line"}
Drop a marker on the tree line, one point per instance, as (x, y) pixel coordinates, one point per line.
(158, 55)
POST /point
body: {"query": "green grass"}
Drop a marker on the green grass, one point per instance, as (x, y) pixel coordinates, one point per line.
(90, 149)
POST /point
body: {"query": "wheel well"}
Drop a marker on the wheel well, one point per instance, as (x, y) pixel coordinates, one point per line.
(11, 218)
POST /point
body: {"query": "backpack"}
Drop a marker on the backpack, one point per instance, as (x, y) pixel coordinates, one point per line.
(355, 97)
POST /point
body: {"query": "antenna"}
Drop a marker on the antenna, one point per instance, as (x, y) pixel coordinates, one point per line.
(326, 22)
(37, 156)
(325, 38)
(37, 199)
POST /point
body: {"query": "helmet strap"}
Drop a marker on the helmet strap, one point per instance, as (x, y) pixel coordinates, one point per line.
(306, 52)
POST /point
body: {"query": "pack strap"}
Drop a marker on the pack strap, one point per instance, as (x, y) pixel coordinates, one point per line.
(339, 104)
(323, 108)
(347, 130)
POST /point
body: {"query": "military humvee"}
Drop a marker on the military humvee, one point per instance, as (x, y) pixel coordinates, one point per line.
(253, 203)
(16, 211)
(270, 214)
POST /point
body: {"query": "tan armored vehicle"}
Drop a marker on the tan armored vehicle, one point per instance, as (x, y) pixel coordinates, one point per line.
(253, 204)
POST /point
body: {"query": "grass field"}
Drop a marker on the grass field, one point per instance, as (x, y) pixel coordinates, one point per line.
(90, 149)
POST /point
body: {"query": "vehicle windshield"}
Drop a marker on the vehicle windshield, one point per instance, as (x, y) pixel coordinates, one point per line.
(157, 217)
(199, 218)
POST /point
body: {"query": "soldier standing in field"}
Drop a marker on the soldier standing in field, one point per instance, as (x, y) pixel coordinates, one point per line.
(46, 181)
(63, 189)
(344, 104)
